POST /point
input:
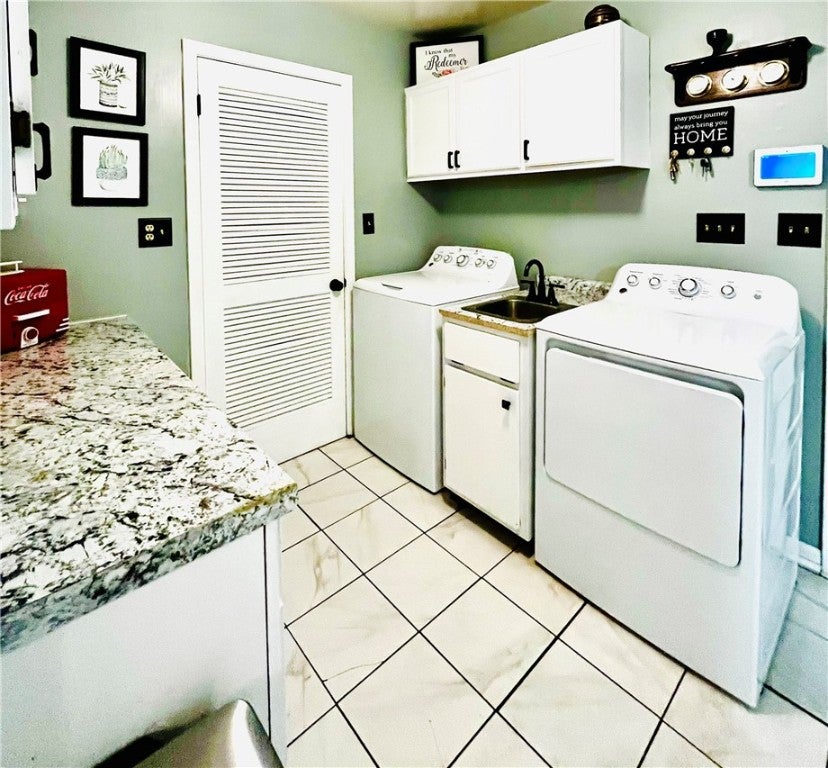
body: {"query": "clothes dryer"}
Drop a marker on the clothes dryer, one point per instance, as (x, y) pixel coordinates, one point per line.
(668, 455)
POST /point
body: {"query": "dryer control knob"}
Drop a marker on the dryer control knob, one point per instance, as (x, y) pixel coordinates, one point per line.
(447, 258)
(478, 262)
(655, 282)
(632, 279)
(461, 260)
(728, 291)
(688, 287)
(490, 263)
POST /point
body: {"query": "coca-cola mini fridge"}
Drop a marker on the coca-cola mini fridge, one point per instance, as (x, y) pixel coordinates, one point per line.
(35, 306)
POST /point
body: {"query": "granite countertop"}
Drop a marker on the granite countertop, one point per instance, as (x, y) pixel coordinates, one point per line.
(575, 291)
(116, 469)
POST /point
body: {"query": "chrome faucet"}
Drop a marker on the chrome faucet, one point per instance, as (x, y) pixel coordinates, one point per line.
(537, 287)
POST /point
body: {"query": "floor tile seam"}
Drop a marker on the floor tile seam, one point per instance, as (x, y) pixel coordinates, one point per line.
(663, 719)
(523, 739)
(400, 512)
(326, 598)
(795, 704)
(456, 557)
(614, 681)
(334, 704)
(532, 666)
(376, 493)
(346, 515)
(660, 719)
(517, 605)
(473, 737)
(318, 677)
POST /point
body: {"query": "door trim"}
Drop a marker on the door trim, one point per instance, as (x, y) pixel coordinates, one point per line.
(191, 51)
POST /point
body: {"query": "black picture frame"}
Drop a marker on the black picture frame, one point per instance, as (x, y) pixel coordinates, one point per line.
(109, 183)
(469, 48)
(122, 99)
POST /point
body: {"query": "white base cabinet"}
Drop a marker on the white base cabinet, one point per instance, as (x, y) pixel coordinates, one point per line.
(488, 431)
(158, 657)
(581, 101)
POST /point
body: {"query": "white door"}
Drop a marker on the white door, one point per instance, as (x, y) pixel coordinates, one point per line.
(481, 425)
(570, 98)
(487, 117)
(273, 175)
(429, 129)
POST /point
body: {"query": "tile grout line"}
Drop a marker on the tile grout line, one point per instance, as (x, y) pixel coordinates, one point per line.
(794, 704)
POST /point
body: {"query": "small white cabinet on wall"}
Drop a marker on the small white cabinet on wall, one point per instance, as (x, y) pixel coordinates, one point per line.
(581, 101)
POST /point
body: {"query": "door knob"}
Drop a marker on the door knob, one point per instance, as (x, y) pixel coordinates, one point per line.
(336, 285)
(505, 405)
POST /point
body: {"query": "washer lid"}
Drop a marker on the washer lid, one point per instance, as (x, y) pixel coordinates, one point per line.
(735, 347)
(429, 288)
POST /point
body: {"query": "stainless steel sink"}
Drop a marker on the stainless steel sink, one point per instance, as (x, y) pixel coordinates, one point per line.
(517, 309)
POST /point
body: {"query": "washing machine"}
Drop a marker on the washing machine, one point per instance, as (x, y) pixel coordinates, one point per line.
(397, 353)
(668, 456)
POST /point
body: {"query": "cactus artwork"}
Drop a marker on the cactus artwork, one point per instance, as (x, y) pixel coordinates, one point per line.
(112, 166)
(109, 77)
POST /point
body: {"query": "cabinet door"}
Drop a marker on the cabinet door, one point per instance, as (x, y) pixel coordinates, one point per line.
(570, 96)
(429, 129)
(481, 421)
(487, 116)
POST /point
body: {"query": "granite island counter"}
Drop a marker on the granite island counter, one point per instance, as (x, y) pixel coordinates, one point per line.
(136, 528)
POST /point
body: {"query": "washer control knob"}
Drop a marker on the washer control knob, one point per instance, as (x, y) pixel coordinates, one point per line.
(490, 263)
(447, 258)
(655, 282)
(632, 279)
(728, 291)
(478, 262)
(462, 259)
(688, 287)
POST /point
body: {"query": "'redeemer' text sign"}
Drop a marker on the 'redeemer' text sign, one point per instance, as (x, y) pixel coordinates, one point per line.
(706, 133)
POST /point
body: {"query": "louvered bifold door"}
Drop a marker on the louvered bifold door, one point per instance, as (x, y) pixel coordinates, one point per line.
(272, 242)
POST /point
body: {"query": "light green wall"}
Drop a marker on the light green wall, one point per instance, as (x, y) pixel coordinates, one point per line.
(108, 274)
(589, 223)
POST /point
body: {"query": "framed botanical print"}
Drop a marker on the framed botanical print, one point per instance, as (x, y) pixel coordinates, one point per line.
(109, 167)
(106, 82)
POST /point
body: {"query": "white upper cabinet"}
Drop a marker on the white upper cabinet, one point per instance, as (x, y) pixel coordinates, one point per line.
(465, 123)
(581, 101)
(430, 128)
(487, 124)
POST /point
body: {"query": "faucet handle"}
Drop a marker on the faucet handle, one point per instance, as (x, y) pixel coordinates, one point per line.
(550, 295)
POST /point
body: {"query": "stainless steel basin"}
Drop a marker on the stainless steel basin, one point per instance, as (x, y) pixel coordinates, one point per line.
(517, 309)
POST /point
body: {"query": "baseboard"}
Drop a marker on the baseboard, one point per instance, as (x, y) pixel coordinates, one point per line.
(810, 557)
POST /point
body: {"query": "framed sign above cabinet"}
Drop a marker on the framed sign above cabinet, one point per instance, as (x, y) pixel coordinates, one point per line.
(430, 60)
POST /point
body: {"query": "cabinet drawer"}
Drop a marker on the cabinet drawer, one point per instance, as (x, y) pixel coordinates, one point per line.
(486, 352)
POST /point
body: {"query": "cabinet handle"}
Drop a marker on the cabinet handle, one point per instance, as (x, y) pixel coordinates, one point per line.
(505, 405)
(45, 170)
(33, 48)
(526, 150)
(457, 159)
(449, 160)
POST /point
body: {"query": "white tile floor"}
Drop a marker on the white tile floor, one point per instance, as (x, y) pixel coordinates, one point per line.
(421, 634)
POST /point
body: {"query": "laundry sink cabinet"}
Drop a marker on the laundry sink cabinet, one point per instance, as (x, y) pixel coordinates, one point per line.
(488, 430)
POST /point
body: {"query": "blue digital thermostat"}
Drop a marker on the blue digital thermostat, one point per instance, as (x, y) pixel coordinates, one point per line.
(788, 166)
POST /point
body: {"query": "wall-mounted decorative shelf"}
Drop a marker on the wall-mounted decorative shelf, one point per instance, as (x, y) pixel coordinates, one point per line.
(762, 69)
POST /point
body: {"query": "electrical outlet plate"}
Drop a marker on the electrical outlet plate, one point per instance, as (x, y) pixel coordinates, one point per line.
(720, 228)
(802, 230)
(154, 233)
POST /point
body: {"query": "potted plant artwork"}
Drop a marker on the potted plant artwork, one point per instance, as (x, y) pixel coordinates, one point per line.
(109, 77)
(106, 82)
(112, 167)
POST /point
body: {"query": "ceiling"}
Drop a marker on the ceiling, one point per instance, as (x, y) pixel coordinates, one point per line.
(425, 16)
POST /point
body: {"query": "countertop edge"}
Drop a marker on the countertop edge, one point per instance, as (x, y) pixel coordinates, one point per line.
(39, 617)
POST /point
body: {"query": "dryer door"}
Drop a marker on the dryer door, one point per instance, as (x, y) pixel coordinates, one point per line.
(664, 453)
